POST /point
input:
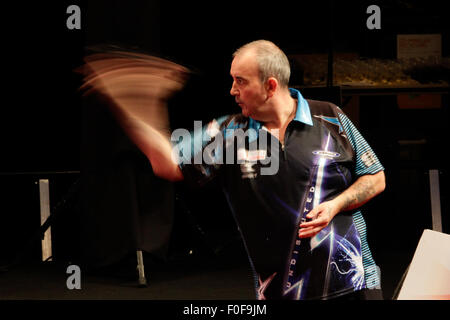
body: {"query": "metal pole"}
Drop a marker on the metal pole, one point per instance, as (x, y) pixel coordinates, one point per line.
(44, 195)
(435, 197)
(140, 267)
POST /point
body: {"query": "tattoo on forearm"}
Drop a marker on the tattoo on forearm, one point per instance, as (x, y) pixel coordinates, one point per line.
(362, 192)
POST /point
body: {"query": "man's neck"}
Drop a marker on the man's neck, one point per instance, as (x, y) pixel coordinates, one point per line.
(284, 109)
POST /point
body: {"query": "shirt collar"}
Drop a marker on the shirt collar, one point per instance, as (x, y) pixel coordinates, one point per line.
(303, 113)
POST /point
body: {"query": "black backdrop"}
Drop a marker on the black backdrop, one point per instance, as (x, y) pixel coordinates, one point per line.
(42, 111)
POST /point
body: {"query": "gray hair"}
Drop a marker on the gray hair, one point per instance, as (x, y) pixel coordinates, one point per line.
(272, 61)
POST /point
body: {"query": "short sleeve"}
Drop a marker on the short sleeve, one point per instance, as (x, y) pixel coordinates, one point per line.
(199, 153)
(366, 160)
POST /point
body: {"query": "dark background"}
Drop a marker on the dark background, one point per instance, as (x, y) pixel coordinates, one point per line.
(42, 114)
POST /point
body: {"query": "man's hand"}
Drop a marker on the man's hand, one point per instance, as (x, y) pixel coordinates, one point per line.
(361, 191)
(321, 215)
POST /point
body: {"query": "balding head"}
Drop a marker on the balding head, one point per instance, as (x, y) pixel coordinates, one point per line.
(271, 60)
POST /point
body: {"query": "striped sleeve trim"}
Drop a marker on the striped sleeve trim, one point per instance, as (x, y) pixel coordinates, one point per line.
(371, 274)
(366, 160)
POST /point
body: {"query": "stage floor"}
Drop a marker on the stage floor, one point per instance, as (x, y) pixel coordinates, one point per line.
(194, 279)
(180, 281)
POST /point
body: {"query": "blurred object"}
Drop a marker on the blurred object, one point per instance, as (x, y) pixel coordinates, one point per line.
(419, 46)
(421, 56)
(136, 82)
(350, 70)
(426, 71)
(125, 207)
(428, 276)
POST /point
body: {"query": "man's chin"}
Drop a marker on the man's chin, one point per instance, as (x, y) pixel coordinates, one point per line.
(245, 113)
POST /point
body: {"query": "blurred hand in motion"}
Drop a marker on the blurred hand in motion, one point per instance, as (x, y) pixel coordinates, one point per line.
(139, 84)
(138, 87)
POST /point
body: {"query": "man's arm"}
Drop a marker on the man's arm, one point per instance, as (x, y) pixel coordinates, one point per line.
(361, 191)
(155, 144)
(138, 87)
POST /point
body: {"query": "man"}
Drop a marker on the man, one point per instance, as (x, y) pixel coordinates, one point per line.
(298, 218)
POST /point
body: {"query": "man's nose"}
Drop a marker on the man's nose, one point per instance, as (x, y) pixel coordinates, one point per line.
(233, 90)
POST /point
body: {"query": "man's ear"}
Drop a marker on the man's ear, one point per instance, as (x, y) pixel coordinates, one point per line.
(271, 86)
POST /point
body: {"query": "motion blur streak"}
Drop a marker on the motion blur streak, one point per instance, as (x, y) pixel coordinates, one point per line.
(139, 84)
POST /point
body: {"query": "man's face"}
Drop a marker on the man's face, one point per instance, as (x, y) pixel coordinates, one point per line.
(247, 88)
